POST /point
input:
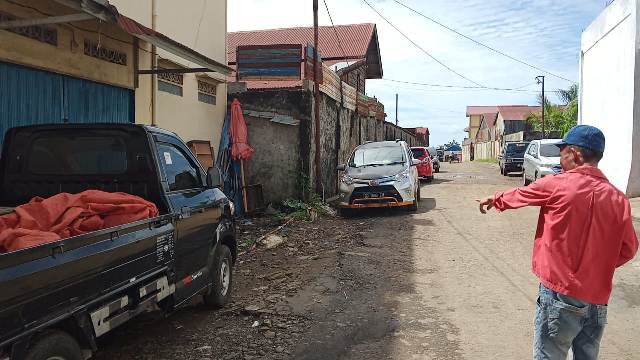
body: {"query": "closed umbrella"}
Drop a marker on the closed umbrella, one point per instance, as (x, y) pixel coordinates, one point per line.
(240, 149)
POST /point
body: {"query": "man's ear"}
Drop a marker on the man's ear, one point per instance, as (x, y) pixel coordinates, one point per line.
(577, 156)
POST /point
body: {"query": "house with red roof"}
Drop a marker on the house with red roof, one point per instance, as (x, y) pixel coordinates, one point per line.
(273, 79)
(351, 51)
(488, 126)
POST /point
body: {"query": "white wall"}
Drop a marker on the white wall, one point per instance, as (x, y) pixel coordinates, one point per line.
(607, 95)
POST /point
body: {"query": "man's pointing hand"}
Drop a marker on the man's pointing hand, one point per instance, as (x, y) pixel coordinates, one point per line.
(486, 202)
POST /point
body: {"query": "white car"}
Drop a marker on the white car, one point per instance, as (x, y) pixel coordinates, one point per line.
(542, 158)
(380, 174)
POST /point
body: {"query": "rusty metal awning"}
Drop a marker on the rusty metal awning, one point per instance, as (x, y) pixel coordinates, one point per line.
(101, 9)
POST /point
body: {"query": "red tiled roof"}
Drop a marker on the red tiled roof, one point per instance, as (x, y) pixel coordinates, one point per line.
(479, 110)
(517, 112)
(354, 38)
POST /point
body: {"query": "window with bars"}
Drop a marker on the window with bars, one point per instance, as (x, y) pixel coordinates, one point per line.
(171, 83)
(207, 92)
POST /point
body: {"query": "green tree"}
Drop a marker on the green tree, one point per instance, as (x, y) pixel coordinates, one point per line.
(558, 117)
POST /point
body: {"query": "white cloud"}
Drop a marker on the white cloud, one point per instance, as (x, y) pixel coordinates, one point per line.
(545, 33)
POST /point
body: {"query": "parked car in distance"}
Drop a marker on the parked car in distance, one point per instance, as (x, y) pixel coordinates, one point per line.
(379, 174)
(512, 157)
(435, 158)
(425, 168)
(542, 158)
(440, 155)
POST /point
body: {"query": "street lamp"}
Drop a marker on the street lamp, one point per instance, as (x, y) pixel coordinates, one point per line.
(540, 80)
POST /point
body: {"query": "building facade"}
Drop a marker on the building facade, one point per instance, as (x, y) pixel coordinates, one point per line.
(191, 104)
(87, 61)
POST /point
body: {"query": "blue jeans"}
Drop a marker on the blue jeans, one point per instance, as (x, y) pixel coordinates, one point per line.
(563, 322)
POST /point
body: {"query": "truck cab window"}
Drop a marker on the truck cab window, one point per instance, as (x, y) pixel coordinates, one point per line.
(180, 172)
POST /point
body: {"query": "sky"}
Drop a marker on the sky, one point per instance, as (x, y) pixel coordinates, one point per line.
(543, 33)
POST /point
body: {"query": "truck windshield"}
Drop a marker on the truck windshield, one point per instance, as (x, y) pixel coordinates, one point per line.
(549, 150)
(376, 156)
(516, 149)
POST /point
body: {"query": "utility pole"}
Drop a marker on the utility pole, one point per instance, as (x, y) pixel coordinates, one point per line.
(316, 97)
(540, 80)
(396, 109)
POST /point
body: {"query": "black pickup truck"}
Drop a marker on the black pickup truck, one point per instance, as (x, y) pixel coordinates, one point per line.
(56, 299)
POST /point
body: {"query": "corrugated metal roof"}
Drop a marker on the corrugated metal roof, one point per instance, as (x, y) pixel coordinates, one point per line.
(354, 38)
(479, 110)
(517, 112)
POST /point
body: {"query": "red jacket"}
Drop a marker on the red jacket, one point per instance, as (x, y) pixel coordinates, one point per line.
(585, 231)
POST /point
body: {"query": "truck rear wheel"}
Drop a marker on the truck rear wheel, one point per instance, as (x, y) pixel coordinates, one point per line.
(219, 292)
(54, 345)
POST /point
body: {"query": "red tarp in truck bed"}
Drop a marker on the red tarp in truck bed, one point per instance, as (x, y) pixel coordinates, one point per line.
(64, 215)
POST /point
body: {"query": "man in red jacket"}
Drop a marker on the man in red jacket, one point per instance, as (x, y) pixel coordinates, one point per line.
(585, 231)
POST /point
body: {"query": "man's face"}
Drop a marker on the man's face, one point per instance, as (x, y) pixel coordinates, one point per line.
(569, 158)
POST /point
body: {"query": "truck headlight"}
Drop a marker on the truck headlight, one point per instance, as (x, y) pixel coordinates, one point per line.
(346, 179)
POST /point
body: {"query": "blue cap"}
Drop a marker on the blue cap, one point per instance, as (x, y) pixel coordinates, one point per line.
(585, 136)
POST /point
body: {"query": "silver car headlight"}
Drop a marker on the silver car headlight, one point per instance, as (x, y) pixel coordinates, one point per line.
(232, 208)
(346, 179)
(403, 176)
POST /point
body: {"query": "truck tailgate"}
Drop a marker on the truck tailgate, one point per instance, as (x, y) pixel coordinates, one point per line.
(49, 281)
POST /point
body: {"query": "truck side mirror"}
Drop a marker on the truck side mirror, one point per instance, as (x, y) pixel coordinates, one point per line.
(214, 179)
(342, 167)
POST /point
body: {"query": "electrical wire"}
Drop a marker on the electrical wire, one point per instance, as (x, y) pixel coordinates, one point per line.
(457, 87)
(344, 53)
(420, 47)
(481, 44)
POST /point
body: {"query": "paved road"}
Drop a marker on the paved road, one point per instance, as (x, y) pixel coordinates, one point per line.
(443, 283)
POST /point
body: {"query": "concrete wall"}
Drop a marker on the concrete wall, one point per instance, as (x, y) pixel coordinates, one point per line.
(68, 56)
(281, 158)
(610, 93)
(284, 157)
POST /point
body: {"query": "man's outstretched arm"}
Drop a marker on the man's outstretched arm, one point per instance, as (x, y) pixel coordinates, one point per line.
(536, 194)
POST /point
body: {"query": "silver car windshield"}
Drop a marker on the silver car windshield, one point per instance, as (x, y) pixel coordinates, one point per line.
(377, 156)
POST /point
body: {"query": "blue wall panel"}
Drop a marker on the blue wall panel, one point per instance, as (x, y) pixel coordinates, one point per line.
(29, 96)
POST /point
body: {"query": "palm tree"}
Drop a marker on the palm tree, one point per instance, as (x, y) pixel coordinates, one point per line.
(561, 117)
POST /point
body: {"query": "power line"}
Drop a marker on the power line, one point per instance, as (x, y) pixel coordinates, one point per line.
(518, 89)
(420, 47)
(480, 43)
(344, 53)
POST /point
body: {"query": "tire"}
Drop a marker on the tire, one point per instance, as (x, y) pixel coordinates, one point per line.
(54, 345)
(430, 179)
(438, 169)
(414, 207)
(345, 213)
(501, 171)
(221, 270)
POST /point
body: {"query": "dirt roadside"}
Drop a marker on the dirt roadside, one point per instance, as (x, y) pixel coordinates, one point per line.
(442, 283)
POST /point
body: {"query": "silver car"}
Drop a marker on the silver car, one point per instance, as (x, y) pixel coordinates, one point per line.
(542, 158)
(379, 174)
